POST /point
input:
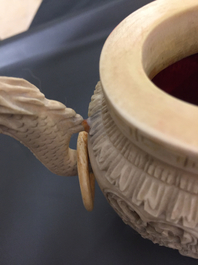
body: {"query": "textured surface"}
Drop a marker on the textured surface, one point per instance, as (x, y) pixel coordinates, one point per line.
(163, 33)
(44, 126)
(158, 200)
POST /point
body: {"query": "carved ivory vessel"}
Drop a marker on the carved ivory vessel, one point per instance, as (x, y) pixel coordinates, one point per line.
(142, 143)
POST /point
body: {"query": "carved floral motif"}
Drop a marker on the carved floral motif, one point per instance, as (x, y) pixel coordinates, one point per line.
(165, 234)
(155, 198)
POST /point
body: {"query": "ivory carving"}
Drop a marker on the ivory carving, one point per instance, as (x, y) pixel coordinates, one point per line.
(156, 199)
(44, 126)
(142, 143)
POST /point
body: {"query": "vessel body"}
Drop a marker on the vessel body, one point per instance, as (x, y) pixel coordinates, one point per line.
(143, 143)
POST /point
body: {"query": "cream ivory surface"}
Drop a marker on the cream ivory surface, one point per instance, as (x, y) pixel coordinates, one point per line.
(146, 42)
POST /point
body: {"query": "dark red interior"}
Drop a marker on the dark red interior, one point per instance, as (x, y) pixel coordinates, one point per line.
(180, 79)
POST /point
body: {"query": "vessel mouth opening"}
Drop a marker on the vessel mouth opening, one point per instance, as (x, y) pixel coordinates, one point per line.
(180, 79)
(170, 56)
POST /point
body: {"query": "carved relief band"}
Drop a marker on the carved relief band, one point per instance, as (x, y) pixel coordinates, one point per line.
(156, 199)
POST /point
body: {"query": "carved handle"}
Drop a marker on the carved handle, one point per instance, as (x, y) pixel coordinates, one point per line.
(44, 126)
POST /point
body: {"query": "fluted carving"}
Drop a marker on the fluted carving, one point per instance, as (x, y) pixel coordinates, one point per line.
(163, 198)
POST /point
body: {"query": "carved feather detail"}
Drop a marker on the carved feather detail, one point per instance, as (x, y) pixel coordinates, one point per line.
(44, 126)
(158, 200)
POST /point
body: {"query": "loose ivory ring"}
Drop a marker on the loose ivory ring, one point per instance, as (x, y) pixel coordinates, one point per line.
(86, 178)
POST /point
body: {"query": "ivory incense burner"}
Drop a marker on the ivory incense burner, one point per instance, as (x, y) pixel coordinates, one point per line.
(142, 142)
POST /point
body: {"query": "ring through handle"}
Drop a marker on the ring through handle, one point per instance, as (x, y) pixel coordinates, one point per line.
(86, 179)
